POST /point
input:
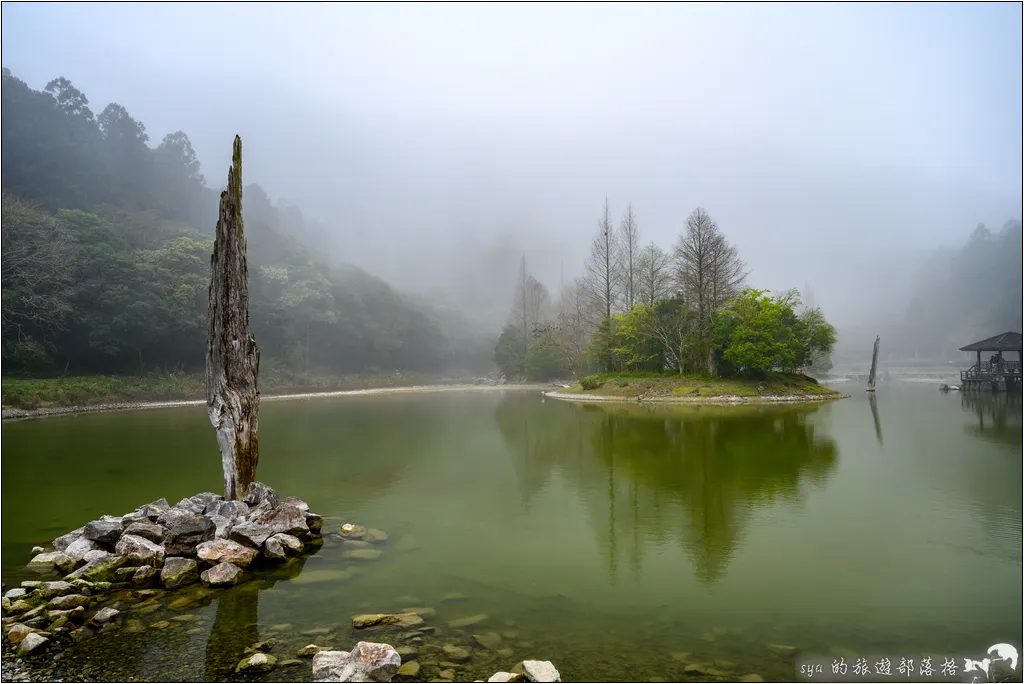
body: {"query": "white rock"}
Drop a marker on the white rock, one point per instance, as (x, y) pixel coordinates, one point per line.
(31, 642)
(105, 615)
(540, 671)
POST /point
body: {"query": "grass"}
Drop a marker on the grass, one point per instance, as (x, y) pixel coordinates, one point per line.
(652, 385)
(35, 393)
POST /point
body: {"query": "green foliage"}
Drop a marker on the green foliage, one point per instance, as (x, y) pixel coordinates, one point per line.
(126, 230)
(543, 361)
(508, 353)
(591, 382)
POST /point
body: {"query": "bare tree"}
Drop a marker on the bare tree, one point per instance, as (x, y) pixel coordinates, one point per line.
(600, 278)
(35, 276)
(654, 275)
(629, 257)
(570, 333)
(521, 307)
(538, 304)
(709, 272)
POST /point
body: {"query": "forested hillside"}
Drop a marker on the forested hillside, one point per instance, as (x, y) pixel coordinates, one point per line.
(106, 249)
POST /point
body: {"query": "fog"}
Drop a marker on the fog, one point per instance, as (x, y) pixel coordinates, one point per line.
(834, 144)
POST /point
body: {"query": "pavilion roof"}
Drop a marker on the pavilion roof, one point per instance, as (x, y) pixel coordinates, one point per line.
(1007, 341)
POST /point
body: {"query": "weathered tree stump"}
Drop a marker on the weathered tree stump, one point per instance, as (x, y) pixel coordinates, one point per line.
(874, 365)
(232, 357)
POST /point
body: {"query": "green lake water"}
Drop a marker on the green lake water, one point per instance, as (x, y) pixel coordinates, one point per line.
(605, 538)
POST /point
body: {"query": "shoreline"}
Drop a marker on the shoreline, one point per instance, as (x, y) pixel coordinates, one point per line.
(11, 413)
(725, 399)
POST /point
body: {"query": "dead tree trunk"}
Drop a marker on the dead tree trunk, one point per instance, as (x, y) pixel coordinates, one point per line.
(874, 366)
(232, 357)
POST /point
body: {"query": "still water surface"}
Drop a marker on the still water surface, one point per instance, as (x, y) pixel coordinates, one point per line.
(603, 538)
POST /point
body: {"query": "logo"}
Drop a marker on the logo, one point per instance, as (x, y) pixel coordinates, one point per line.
(1002, 657)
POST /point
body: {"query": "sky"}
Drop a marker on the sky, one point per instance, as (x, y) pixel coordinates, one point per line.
(833, 143)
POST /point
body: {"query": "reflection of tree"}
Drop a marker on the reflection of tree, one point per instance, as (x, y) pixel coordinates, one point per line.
(236, 625)
(999, 416)
(675, 474)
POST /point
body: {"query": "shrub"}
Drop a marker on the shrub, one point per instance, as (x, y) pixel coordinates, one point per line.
(590, 383)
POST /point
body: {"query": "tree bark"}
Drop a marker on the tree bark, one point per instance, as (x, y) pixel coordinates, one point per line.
(874, 366)
(232, 357)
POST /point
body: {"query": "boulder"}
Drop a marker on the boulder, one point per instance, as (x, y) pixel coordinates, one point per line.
(191, 505)
(53, 559)
(362, 554)
(286, 519)
(506, 677)
(222, 526)
(490, 640)
(232, 510)
(468, 621)
(105, 615)
(309, 651)
(222, 575)
(540, 671)
(77, 549)
(173, 515)
(274, 549)
(68, 601)
(446, 675)
(17, 633)
(399, 620)
(99, 569)
(178, 572)
(410, 669)
(37, 549)
(207, 498)
(367, 662)
(16, 593)
(226, 551)
(297, 502)
(63, 542)
(315, 523)
(140, 549)
(147, 530)
(144, 576)
(48, 590)
(32, 642)
(106, 530)
(350, 531)
(187, 532)
(250, 533)
(782, 649)
(257, 663)
(455, 654)
(97, 555)
(154, 510)
(292, 545)
(258, 493)
(376, 536)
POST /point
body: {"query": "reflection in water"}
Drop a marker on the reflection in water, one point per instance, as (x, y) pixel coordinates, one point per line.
(999, 416)
(872, 400)
(690, 476)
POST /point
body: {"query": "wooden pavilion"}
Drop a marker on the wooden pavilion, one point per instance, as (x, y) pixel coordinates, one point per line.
(995, 374)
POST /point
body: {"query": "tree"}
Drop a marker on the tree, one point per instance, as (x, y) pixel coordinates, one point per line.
(709, 272)
(232, 357)
(629, 255)
(600, 277)
(569, 334)
(654, 275)
(510, 351)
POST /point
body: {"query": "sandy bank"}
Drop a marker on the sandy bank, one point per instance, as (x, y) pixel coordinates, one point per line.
(19, 414)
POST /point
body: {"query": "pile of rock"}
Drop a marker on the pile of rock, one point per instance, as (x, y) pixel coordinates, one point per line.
(201, 538)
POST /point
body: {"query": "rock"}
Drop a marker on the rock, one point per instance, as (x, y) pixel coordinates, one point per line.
(399, 620)
(178, 572)
(297, 502)
(356, 544)
(315, 523)
(490, 640)
(135, 627)
(37, 550)
(45, 561)
(48, 590)
(289, 663)
(222, 526)
(190, 505)
(97, 555)
(751, 678)
(68, 602)
(32, 642)
(350, 531)
(100, 569)
(274, 549)
(77, 549)
(332, 666)
(453, 596)
(422, 612)
(222, 575)
(257, 663)
(147, 530)
(506, 652)
(185, 533)
(376, 536)
(286, 519)
(362, 554)
(468, 621)
(206, 498)
(446, 675)
(232, 510)
(258, 493)
(309, 651)
(407, 651)
(140, 549)
(454, 653)
(292, 544)
(184, 618)
(702, 670)
(226, 551)
(250, 533)
(106, 530)
(105, 615)
(540, 671)
(161, 625)
(409, 669)
(144, 576)
(63, 542)
(407, 543)
(266, 646)
(506, 677)
(18, 632)
(782, 649)
(154, 510)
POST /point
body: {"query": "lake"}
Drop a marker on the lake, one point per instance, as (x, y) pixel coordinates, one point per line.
(618, 541)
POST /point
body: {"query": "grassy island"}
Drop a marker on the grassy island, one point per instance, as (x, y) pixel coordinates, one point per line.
(684, 388)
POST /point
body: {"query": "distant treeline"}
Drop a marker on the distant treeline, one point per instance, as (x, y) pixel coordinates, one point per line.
(642, 308)
(106, 251)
